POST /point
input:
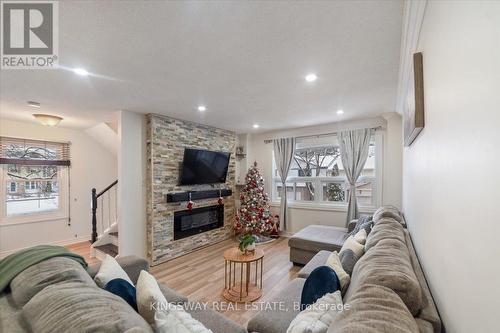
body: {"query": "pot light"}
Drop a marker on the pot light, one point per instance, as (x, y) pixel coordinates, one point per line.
(34, 104)
(340, 111)
(311, 77)
(47, 119)
(202, 108)
(80, 71)
(255, 125)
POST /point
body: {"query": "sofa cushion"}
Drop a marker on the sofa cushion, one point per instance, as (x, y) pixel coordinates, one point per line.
(388, 264)
(11, 316)
(321, 281)
(36, 277)
(277, 319)
(175, 319)
(110, 269)
(348, 259)
(429, 312)
(364, 222)
(334, 263)
(317, 317)
(132, 265)
(318, 260)
(386, 228)
(389, 212)
(374, 309)
(211, 319)
(360, 236)
(351, 244)
(149, 297)
(79, 307)
(318, 237)
(424, 326)
(123, 289)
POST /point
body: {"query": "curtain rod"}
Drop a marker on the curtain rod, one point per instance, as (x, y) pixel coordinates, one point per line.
(318, 135)
(31, 139)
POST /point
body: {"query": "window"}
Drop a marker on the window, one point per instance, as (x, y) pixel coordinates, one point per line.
(34, 182)
(317, 176)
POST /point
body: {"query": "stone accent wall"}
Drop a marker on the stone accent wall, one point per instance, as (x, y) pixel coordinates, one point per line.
(166, 140)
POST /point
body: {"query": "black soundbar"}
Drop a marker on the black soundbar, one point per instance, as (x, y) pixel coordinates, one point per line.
(197, 195)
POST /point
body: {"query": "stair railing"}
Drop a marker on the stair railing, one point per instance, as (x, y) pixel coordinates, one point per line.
(104, 194)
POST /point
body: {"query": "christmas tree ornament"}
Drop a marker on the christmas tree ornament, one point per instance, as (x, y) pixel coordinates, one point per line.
(190, 203)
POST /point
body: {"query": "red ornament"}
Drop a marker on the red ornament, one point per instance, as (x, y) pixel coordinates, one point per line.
(190, 204)
(220, 201)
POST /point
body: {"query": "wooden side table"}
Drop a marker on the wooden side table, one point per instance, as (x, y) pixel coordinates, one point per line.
(244, 290)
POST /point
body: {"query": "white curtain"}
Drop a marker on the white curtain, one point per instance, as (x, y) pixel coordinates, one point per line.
(284, 150)
(354, 146)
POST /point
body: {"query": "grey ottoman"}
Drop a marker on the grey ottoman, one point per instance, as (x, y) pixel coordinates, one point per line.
(307, 242)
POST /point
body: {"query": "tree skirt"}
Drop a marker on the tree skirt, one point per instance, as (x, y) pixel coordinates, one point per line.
(260, 239)
(264, 239)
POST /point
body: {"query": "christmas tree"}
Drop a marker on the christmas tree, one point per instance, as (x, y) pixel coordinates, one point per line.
(254, 215)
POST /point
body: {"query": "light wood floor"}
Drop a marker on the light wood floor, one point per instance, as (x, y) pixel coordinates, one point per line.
(200, 275)
(83, 249)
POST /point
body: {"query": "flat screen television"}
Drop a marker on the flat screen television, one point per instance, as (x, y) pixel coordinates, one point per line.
(204, 167)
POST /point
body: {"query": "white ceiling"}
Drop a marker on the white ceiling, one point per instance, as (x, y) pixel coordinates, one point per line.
(245, 61)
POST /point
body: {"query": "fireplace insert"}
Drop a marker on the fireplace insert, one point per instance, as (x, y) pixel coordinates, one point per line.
(191, 222)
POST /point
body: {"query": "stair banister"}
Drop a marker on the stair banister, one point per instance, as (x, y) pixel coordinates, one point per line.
(94, 215)
(95, 196)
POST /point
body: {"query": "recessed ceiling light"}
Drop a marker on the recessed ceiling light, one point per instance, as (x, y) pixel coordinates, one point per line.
(202, 108)
(340, 111)
(34, 104)
(47, 119)
(311, 77)
(80, 71)
(255, 125)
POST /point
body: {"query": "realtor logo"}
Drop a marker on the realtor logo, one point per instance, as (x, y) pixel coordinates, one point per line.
(29, 32)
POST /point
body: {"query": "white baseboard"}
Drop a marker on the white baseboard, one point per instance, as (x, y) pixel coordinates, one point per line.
(60, 243)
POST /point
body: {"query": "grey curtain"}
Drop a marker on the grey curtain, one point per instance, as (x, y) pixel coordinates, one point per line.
(354, 145)
(284, 150)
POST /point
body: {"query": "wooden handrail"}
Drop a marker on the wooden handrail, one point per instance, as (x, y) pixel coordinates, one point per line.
(107, 188)
(95, 196)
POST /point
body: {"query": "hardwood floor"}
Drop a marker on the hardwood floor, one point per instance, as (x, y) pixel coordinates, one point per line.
(83, 249)
(200, 275)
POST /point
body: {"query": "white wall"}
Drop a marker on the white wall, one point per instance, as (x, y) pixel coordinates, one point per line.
(131, 186)
(91, 166)
(301, 217)
(451, 187)
(393, 161)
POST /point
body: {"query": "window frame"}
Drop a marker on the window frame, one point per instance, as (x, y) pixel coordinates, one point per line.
(61, 213)
(318, 203)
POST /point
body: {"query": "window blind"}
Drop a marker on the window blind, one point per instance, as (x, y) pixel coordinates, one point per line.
(33, 152)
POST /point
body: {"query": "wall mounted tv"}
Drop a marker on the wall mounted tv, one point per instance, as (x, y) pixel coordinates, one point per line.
(204, 167)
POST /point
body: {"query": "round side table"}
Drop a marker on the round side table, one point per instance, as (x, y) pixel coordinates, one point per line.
(245, 290)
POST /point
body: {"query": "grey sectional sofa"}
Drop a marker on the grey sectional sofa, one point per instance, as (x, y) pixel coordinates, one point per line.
(59, 295)
(211, 319)
(307, 242)
(389, 263)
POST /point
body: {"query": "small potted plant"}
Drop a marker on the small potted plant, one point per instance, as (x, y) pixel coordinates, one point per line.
(247, 243)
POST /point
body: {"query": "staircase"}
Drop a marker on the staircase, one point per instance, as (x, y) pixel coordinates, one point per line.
(104, 222)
